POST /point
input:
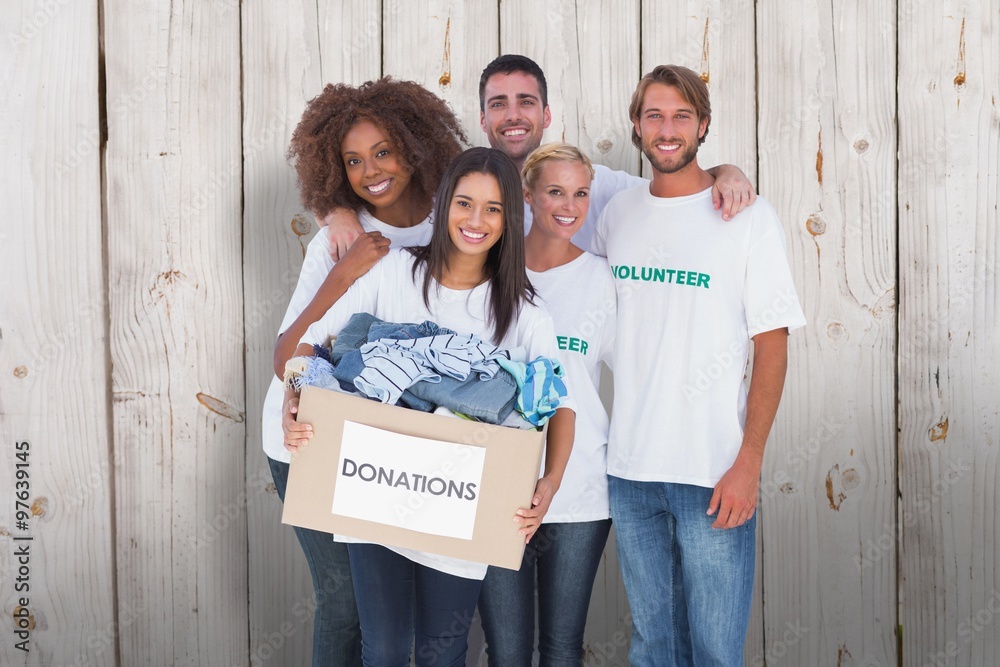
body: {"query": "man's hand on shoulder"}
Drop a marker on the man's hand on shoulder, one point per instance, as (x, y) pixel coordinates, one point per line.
(343, 229)
(732, 191)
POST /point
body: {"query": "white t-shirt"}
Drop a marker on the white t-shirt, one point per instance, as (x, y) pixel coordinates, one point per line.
(693, 290)
(580, 296)
(606, 184)
(390, 292)
(315, 268)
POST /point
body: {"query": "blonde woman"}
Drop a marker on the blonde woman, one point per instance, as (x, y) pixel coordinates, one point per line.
(577, 289)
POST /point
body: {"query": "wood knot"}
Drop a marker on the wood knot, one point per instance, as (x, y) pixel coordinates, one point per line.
(605, 146)
(850, 479)
(939, 431)
(220, 407)
(834, 488)
(19, 614)
(21, 372)
(816, 224)
(861, 146)
(301, 225)
(40, 507)
(835, 330)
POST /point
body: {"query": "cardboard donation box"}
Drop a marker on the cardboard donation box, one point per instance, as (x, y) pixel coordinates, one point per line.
(410, 479)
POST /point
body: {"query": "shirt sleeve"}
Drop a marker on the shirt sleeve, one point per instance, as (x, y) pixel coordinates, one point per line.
(315, 268)
(614, 181)
(607, 183)
(769, 298)
(361, 297)
(598, 243)
(610, 307)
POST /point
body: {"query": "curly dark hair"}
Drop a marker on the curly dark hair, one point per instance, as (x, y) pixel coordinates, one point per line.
(418, 123)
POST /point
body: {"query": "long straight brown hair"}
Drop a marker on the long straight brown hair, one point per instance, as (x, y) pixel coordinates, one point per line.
(504, 268)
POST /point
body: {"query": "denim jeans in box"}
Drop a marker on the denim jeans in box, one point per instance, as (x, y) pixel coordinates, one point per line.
(348, 344)
(491, 401)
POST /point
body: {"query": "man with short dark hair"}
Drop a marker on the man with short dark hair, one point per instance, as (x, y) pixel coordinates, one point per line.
(687, 440)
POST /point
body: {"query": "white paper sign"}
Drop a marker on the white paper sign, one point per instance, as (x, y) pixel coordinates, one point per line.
(415, 483)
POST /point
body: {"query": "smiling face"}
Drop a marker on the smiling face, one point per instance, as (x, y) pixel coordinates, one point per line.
(475, 215)
(513, 116)
(374, 168)
(560, 198)
(668, 128)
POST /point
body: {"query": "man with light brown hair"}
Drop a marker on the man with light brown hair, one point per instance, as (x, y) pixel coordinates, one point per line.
(687, 439)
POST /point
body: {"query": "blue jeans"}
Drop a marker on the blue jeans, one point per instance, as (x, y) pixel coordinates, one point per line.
(397, 597)
(566, 556)
(336, 632)
(689, 585)
(363, 327)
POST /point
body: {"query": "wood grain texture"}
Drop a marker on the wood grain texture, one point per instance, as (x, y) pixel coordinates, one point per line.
(53, 343)
(281, 71)
(174, 234)
(290, 51)
(949, 178)
(827, 149)
(350, 40)
(715, 38)
(589, 52)
(443, 45)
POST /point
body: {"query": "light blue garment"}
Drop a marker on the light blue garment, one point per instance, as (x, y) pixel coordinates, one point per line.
(319, 373)
(540, 385)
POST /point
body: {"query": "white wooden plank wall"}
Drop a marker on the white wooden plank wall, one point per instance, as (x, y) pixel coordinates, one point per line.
(949, 179)
(443, 45)
(281, 71)
(53, 342)
(146, 461)
(827, 148)
(289, 53)
(716, 39)
(174, 228)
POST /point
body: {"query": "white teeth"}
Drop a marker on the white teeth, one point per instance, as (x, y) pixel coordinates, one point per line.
(516, 132)
(473, 235)
(378, 188)
(564, 220)
(668, 147)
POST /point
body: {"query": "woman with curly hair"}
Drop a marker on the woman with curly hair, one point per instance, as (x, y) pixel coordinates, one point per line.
(379, 149)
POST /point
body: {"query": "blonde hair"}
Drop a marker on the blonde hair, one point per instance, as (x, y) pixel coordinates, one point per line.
(555, 150)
